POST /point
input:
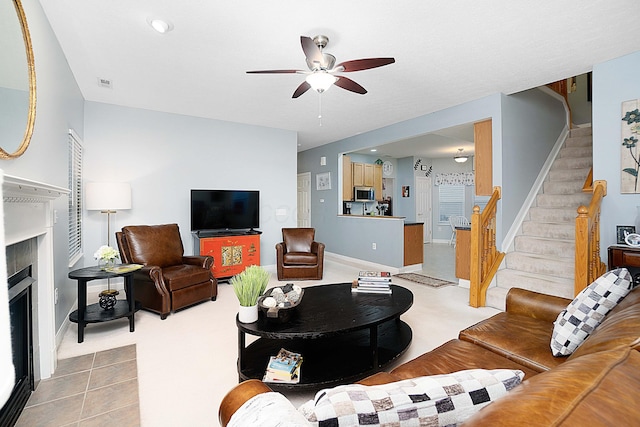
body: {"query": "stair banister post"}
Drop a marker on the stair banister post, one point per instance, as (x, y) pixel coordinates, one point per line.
(581, 250)
(475, 278)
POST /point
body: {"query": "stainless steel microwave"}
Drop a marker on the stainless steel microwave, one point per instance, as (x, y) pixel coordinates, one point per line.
(363, 194)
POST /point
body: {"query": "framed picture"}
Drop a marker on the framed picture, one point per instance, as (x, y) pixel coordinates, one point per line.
(423, 167)
(323, 181)
(405, 191)
(622, 231)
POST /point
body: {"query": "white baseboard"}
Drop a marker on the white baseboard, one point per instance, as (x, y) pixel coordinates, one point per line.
(355, 262)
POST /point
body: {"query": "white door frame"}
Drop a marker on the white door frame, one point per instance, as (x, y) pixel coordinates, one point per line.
(303, 211)
(423, 206)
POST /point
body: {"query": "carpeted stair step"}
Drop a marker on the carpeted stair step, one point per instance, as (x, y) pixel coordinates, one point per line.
(547, 247)
(497, 297)
(579, 141)
(572, 163)
(582, 131)
(507, 278)
(562, 200)
(559, 214)
(562, 187)
(538, 264)
(549, 230)
(577, 151)
(569, 174)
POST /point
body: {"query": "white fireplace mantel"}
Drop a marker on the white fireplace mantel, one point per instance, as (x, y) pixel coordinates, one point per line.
(28, 213)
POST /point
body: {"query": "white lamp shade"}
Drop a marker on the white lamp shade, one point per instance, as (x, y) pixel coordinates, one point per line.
(107, 196)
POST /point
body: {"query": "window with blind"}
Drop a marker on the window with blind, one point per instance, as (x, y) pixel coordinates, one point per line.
(75, 198)
(451, 201)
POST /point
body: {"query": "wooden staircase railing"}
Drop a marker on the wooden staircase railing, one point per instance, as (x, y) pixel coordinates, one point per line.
(485, 258)
(588, 265)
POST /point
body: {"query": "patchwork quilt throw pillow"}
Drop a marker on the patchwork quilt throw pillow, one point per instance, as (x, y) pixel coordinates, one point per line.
(437, 400)
(583, 315)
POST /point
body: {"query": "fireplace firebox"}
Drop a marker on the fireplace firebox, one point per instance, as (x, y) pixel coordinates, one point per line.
(20, 298)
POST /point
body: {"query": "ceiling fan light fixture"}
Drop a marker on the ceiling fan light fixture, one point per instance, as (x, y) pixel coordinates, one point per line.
(459, 157)
(321, 81)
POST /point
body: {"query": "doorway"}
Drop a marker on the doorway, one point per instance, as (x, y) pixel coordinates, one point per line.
(423, 206)
(304, 200)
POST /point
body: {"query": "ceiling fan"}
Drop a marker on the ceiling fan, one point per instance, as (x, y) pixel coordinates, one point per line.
(323, 73)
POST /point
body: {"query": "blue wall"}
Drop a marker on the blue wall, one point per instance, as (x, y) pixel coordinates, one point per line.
(614, 82)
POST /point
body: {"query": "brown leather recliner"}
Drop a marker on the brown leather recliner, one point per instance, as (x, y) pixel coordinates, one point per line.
(168, 281)
(299, 256)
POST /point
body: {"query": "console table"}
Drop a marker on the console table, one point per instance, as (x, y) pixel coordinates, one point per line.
(342, 336)
(625, 256)
(93, 313)
(231, 253)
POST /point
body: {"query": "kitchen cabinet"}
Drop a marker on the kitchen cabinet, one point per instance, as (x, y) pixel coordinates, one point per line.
(413, 243)
(357, 174)
(377, 181)
(360, 175)
(347, 179)
(483, 157)
(368, 175)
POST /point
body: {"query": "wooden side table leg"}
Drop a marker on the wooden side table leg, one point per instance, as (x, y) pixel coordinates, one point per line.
(241, 344)
(82, 307)
(373, 337)
(128, 282)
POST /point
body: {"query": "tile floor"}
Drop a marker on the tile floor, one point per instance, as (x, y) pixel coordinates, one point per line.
(187, 363)
(96, 389)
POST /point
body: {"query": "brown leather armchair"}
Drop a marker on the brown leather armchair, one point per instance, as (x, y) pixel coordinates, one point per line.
(168, 281)
(299, 256)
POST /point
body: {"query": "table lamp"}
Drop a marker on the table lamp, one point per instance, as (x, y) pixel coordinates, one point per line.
(108, 197)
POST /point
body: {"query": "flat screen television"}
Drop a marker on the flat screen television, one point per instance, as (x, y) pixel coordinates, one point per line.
(224, 210)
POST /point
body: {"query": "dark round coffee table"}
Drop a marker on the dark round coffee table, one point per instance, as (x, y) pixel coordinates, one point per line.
(342, 336)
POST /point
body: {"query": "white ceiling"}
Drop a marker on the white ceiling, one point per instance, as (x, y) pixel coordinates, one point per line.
(446, 52)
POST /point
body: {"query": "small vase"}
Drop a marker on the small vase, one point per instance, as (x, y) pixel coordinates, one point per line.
(107, 299)
(106, 264)
(248, 314)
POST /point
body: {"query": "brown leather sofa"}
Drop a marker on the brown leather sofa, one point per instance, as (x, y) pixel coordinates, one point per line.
(299, 256)
(599, 384)
(169, 280)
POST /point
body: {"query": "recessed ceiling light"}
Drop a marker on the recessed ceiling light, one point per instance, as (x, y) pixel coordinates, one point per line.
(373, 150)
(160, 25)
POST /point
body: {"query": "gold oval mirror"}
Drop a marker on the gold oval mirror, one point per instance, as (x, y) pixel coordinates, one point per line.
(17, 81)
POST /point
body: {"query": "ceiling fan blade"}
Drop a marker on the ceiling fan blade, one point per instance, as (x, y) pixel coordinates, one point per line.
(304, 86)
(363, 64)
(349, 85)
(275, 72)
(311, 51)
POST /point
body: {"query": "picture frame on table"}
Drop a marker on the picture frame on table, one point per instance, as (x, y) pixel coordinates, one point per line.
(622, 231)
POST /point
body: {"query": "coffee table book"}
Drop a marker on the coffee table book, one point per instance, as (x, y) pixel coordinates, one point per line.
(377, 276)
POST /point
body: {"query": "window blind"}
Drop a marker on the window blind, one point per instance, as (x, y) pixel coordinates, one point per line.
(75, 198)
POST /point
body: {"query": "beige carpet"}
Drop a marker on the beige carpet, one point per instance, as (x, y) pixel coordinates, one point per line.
(424, 280)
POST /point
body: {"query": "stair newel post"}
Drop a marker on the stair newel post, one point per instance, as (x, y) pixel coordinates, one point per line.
(475, 278)
(581, 250)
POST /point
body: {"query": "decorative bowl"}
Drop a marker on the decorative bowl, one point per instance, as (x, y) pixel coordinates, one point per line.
(284, 308)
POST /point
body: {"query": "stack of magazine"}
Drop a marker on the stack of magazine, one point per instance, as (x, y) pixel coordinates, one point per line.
(283, 368)
(372, 282)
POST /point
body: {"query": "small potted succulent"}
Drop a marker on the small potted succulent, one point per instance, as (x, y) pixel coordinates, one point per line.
(248, 287)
